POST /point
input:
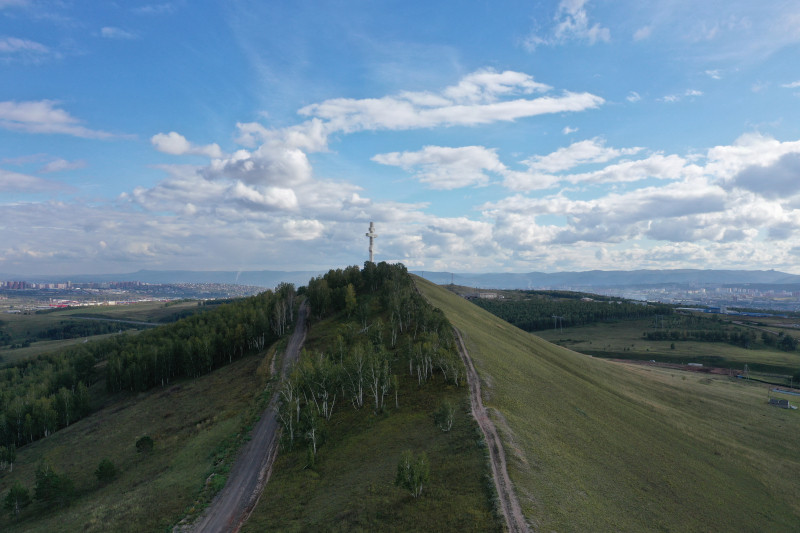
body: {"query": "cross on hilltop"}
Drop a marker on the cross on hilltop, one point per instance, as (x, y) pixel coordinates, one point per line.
(372, 235)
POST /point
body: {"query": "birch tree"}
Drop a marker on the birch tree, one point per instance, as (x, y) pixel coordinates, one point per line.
(412, 473)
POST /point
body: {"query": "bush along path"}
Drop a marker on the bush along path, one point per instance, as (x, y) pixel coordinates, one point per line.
(231, 507)
(512, 512)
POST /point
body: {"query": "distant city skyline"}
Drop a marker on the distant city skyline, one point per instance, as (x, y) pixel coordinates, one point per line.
(552, 136)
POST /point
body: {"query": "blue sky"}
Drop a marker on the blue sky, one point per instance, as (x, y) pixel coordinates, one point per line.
(479, 136)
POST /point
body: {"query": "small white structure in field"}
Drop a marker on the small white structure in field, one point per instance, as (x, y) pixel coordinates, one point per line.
(783, 404)
(372, 235)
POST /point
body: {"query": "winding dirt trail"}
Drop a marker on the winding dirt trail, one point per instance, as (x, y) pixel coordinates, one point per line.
(232, 506)
(515, 520)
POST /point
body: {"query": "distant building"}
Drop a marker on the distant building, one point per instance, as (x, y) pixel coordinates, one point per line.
(783, 404)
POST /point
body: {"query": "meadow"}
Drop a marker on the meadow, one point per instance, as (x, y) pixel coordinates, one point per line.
(625, 340)
(595, 445)
(22, 327)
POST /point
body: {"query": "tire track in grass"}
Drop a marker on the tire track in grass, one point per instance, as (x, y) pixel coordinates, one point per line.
(509, 504)
(231, 508)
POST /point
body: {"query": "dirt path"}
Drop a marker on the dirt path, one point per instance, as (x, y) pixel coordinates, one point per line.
(515, 520)
(233, 505)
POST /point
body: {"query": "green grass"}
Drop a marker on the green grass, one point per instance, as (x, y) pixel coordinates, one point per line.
(624, 339)
(43, 347)
(598, 446)
(193, 424)
(351, 487)
(22, 327)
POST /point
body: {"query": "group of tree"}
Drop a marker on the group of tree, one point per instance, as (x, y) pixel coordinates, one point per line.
(75, 329)
(736, 336)
(200, 343)
(52, 490)
(386, 329)
(536, 314)
(41, 395)
(782, 341)
(692, 327)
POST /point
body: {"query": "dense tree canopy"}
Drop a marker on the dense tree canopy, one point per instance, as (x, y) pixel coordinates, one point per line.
(41, 395)
(386, 328)
(536, 314)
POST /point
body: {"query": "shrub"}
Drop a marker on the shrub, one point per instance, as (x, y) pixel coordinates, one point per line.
(144, 445)
(17, 498)
(444, 416)
(412, 474)
(51, 488)
(106, 471)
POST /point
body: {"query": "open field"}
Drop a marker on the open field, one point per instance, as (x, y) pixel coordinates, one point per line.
(351, 487)
(595, 445)
(624, 340)
(42, 347)
(25, 327)
(194, 424)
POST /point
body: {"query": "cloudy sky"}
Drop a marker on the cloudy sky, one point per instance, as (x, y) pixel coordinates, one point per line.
(479, 136)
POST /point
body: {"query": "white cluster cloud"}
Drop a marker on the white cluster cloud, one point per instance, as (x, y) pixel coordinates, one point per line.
(474, 101)
(176, 144)
(155, 9)
(14, 45)
(61, 165)
(265, 204)
(110, 32)
(16, 49)
(450, 168)
(579, 153)
(571, 23)
(15, 182)
(447, 168)
(43, 116)
(633, 96)
(642, 33)
(744, 195)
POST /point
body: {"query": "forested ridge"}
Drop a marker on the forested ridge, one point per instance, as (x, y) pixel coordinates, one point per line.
(377, 434)
(41, 395)
(536, 314)
(388, 330)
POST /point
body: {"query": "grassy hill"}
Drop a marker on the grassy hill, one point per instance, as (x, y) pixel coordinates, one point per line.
(592, 445)
(597, 446)
(196, 423)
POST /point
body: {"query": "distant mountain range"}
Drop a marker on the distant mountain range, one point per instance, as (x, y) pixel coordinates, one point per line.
(530, 280)
(613, 278)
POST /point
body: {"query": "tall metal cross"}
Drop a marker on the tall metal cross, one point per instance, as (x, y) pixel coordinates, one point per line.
(372, 235)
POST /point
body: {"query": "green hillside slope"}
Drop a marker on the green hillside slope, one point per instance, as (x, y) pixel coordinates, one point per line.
(192, 440)
(598, 446)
